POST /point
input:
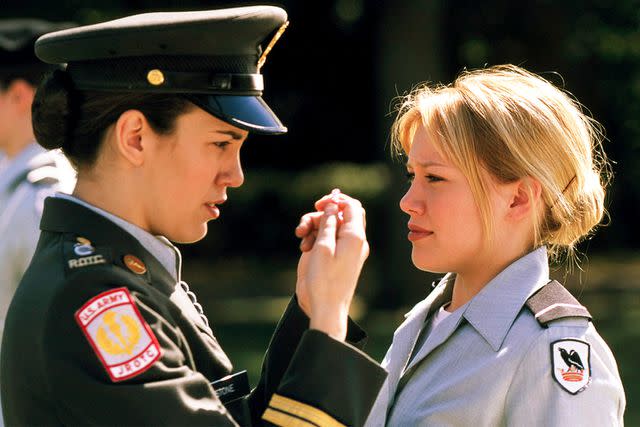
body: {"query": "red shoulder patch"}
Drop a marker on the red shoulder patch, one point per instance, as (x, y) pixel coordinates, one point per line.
(119, 335)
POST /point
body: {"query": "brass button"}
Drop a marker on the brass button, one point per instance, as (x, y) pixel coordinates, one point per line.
(155, 77)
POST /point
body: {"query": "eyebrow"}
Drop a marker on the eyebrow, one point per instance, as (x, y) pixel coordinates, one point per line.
(428, 164)
(232, 133)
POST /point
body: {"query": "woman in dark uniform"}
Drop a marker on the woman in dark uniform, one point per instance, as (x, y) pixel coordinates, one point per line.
(102, 330)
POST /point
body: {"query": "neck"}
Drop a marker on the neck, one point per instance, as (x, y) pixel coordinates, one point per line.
(474, 278)
(113, 194)
(17, 142)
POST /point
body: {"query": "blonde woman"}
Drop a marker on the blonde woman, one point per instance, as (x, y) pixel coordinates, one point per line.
(505, 171)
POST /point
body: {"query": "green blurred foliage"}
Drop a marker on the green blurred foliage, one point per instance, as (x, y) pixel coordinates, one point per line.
(326, 93)
(591, 48)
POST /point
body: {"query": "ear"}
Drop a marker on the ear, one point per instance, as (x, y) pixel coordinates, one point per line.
(525, 198)
(21, 95)
(130, 130)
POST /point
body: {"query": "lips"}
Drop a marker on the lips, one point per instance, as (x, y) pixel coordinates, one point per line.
(213, 209)
(417, 233)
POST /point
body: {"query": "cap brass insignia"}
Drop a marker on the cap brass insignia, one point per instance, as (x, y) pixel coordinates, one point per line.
(83, 241)
(155, 77)
(263, 57)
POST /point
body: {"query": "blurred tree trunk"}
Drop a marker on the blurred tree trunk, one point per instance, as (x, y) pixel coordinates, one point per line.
(410, 52)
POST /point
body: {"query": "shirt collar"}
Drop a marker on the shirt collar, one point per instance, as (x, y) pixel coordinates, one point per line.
(494, 309)
(159, 246)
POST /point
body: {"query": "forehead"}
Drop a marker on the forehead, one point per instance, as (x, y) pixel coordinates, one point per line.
(425, 149)
(199, 120)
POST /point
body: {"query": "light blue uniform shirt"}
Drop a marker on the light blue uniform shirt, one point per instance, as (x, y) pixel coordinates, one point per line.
(25, 181)
(490, 362)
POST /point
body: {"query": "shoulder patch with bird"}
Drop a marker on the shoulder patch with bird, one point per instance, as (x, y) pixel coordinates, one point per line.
(571, 364)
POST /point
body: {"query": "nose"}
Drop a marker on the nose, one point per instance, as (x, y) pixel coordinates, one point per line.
(412, 204)
(232, 175)
(236, 175)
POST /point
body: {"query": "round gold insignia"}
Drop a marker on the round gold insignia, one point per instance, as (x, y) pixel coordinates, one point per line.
(134, 264)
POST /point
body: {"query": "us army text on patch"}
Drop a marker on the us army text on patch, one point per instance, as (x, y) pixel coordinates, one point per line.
(120, 337)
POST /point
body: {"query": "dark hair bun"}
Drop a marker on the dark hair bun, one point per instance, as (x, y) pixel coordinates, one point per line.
(54, 110)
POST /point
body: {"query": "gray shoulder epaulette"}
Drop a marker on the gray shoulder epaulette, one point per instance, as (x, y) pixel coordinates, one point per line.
(42, 175)
(553, 301)
(46, 174)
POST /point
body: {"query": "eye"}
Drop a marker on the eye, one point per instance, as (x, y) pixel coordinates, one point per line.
(222, 144)
(433, 178)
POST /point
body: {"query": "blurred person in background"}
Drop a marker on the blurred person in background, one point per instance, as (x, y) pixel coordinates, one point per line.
(102, 329)
(28, 173)
(505, 171)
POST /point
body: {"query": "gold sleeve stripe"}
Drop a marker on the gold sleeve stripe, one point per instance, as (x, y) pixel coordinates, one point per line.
(281, 419)
(302, 410)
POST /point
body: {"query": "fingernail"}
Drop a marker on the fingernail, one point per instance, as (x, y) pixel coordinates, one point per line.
(335, 191)
(331, 209)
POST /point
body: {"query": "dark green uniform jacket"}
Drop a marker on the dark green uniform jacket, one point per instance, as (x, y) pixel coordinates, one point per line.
(93, 338)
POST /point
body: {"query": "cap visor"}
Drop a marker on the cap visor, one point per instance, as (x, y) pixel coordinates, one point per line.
(246, 112)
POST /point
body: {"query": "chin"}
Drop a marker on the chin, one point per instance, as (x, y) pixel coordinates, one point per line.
(429, 264)
(189, 236)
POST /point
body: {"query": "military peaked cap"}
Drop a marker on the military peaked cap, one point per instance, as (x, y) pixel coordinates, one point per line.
(212, 57)
(17, 37)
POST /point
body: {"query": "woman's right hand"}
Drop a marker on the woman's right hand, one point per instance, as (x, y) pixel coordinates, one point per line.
(334, 250)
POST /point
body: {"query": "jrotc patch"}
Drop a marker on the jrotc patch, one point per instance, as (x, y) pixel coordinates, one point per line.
(571, 361)
(122, 340)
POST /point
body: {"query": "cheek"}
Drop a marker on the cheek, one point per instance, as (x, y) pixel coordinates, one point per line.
(190, 188)
(176, 189)
(457, 222)
(466, 220)
(195, 174)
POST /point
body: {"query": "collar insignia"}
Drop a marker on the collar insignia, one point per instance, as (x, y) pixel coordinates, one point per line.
(134, 264)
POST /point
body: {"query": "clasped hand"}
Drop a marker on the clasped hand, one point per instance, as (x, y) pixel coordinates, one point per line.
(334, 247)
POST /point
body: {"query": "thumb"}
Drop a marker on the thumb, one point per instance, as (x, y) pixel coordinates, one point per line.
(327, 228)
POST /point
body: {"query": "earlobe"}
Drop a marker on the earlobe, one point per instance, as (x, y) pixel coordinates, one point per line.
(129, 136)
